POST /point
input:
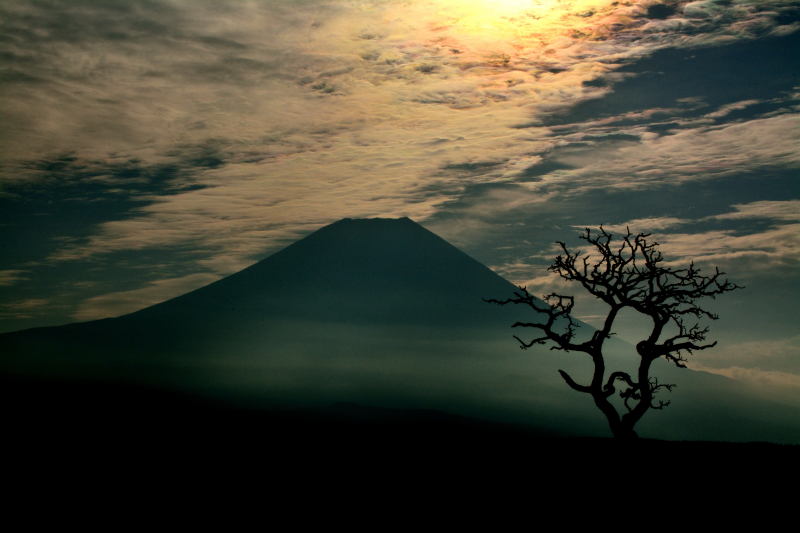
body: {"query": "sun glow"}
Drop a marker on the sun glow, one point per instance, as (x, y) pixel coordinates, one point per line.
(531, 50)
(508, 7)
(511, 20)
(488, 13)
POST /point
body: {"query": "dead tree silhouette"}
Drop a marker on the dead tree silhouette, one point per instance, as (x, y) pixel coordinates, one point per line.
(629, 274)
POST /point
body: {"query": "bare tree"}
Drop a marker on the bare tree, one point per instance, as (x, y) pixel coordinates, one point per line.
(631, 274)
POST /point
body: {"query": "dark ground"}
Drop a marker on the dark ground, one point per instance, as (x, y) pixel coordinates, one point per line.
(92, 429)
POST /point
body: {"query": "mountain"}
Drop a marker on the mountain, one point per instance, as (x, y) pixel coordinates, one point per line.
(376, 312)
(376, 271)
(356, 281)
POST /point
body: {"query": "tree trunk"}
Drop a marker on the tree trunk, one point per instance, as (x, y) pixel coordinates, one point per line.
(619, 428)
(624, 433)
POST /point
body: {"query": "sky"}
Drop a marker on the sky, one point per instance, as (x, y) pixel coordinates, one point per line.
(150, 147)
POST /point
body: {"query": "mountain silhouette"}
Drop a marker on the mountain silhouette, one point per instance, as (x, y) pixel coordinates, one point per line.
(338, 287)
(352, 271)
(368, 312)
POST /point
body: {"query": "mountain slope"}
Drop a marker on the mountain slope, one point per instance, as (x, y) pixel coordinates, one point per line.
(363, 271)
(380, 310)
(348, 285)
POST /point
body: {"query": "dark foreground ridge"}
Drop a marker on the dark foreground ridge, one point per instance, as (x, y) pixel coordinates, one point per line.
(125, 427)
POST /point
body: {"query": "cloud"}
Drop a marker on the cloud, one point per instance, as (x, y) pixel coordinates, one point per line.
(707, 152)
(727, 109)
(762, 247)
(12, 276)
(27, 308)
(765, 380)
(639, 225)
(136, 79)
(768, 354)
(763, 250)
(112, 78)
(120, 303)
(779, 210)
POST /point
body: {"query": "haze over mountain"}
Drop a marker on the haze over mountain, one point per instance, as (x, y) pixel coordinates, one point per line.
(378, 312)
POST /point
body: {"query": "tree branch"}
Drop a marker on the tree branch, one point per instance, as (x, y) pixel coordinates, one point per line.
(655, 386)
(573, 384)
(608, 388)
(557, 324)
